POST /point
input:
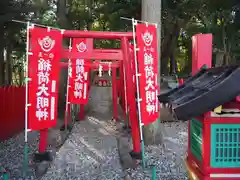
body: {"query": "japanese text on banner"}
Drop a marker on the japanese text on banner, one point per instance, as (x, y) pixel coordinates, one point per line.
(43, 96)
(80, 86)
(78, 93)
(147, 61)
(44, 71)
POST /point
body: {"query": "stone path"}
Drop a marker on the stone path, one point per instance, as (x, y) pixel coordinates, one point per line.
(90, 152)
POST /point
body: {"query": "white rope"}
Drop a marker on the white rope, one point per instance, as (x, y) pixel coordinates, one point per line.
(109, 68)
(100, 69)
(130, 19)
(40, 25)
(68, 78)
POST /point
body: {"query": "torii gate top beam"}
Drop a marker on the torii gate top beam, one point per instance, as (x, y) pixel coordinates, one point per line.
(97, 34)
(93, 54)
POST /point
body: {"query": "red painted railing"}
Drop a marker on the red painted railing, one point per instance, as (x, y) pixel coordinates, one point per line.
(12, 105)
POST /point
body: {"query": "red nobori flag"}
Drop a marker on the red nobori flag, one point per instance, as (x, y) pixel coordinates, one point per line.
(147, 65)
(43, 68)
(79, 74)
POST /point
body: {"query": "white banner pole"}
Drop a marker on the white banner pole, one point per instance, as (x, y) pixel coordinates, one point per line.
(134, 23)
(27, 79)
(68, 86)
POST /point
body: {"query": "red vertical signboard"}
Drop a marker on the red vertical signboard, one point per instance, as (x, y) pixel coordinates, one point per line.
(146, 36)
(78, 80)
(43, 68)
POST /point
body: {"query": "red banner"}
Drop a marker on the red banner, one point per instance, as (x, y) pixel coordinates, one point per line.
(147, 65)
(43, 68)
(79, 76)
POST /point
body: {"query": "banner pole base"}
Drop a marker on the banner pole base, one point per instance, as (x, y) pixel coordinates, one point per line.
(127, 125)
(127, 128)
(25, 163)
(42, 156)
(136, 155)
(154, 173)
(142, 154)
(5, 176)
(63, 127)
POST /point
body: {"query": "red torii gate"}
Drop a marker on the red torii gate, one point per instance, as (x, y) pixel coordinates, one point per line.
(122, 58)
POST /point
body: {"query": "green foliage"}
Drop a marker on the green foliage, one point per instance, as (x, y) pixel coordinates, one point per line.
(104, 15)
(219, 17)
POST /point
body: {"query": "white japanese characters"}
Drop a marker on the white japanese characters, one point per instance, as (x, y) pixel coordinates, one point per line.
(44, 100)
(78, 75)
(80, 85)
(150, 75)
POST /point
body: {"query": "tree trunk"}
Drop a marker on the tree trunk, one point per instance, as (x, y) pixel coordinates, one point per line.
(61, 14)
(8, 60)
(2, 54)
(164, 65)
(169, 46)
(224, 40)
(89, 23)
(8, 64)
(173, 64)
(165, 50)
(21, 77)
(151, 11)
(63, 23)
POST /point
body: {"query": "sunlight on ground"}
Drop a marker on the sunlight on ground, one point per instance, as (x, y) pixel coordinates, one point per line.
(93, 120)
(102, 130)
(91, 148)
(183, 134)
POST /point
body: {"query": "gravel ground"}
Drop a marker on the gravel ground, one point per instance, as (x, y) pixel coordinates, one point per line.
(168, 160)
(12, 155)
(90, 152)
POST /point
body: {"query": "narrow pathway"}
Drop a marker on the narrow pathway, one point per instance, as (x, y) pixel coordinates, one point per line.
(90, 152)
